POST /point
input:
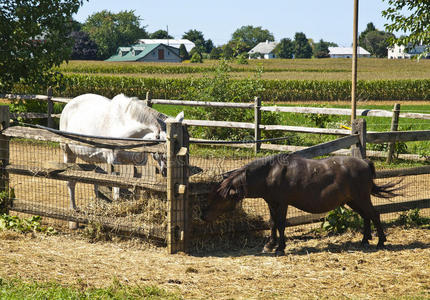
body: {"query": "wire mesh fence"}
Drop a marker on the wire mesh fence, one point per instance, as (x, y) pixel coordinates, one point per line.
(123, 198)
(132, 198)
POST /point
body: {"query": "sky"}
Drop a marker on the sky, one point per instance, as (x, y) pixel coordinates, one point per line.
(330, 20)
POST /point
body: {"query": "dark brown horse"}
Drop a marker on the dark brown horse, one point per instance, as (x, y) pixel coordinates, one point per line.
(312, 185)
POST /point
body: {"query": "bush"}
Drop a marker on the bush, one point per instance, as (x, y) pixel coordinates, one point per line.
(412, 218)
(196, 58)
(340, 220)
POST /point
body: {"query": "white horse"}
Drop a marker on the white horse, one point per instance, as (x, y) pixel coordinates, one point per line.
(121, 117)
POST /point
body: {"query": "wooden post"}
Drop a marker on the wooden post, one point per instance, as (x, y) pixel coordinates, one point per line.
(4, 160)
(359, 127)
(257, 121)
(394, 127)
(50, 108)
(148, 99)
(177, 187)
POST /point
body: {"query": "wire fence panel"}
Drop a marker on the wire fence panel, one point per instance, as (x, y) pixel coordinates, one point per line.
(125, 198)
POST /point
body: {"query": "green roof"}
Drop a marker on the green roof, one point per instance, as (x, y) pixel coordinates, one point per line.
(135, 53)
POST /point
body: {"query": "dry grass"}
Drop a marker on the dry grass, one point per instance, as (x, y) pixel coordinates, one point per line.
(314, 267)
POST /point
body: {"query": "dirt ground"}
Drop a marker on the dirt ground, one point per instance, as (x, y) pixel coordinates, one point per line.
(314, 267)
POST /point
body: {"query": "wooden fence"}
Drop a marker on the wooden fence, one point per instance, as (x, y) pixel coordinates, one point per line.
(256, 126)
(178, 187)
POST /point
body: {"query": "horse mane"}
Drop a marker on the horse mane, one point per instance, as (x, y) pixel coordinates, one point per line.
(226, 185)
(137, 110)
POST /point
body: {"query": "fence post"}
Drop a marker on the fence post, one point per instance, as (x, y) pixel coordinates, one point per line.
(178, 212)
(50, 108)
(4, 160)
(257, 121)
(359, 127)
(148, 99)
(394, 127)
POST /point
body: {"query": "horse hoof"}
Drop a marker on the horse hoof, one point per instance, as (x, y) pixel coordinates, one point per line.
(364, 243)
(279, 253)
(381, 245)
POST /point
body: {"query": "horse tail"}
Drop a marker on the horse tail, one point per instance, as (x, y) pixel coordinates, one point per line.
(387, 190)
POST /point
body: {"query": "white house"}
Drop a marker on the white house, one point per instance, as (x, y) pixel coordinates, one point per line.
(400, 52)
(346, 52)
(263, 50)
(169, 42)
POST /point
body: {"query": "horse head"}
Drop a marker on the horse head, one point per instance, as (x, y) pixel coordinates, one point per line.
(225, 195)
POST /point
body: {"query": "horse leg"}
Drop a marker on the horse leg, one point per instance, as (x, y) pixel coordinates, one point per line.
(270, 245)
(280, 223)
(370, 211)
(70, 157)
(367, 233)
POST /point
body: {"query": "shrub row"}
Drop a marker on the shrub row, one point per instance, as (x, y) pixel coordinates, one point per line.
(274, 90)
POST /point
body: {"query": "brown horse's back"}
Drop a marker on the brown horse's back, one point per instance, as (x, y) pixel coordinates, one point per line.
(318, 186)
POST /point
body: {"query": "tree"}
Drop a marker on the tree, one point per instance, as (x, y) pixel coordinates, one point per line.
(84, 47)
(251, 36)
(160, 34)
(34, 37)
(110, 30)
(183, 53)
(215, 53)
(370, 27)
(302, 48)
(209, 45)
(197, 38)
(376, 42)
(416, 21)
(227, 52)
(321, 49)
(285, 48)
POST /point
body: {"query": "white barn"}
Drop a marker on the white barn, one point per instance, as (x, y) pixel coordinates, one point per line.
(169, 42)
(346, 52)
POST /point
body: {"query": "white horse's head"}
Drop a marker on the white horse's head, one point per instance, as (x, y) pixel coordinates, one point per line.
(161, 158)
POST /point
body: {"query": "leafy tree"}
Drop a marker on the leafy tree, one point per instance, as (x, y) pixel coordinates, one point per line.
(216, 53)
(285, 48)
(110, 30)
(183, 53)
(34, 37)
(160, 34)
(84, 47)
(227, 51)
(416, 21)
(370, 27)
(321, 49)
(209, 45)
(376, 42)
(302, 48)
(251, 36)
(238, 47)
(197, 38)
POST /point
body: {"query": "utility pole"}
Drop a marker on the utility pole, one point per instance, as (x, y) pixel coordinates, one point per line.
(354, 64)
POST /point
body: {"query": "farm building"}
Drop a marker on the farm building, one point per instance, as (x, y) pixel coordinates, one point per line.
(346, 52)
(263, 50)
(169, 42)
(147, 53)
(400, 51)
